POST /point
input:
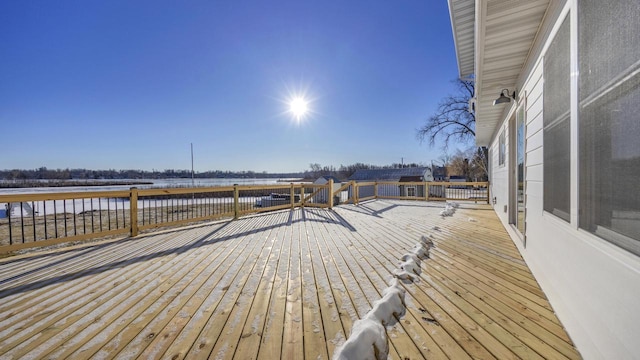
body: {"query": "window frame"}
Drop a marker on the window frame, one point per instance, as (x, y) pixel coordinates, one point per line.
(502, 148)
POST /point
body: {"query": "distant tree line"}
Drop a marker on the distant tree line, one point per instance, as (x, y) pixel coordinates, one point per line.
(315, 171)
(471, 163)
(84, 174)
(345, 171)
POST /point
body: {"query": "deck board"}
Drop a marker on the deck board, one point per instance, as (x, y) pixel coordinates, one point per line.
(286, 284)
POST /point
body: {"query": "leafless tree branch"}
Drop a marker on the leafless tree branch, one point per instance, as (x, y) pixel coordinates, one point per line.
(452, 120)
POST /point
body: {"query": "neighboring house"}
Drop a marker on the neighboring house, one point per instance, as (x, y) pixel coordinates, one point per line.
(322, 180)
(439, 173)
(342, 197)
(422, 173)
(411, 190)
(568, 77)
(419, 174)
(458, 179)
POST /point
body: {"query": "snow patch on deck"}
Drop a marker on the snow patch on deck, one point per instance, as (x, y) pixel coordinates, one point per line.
(449, 209)
(409, 268)
(368, 338)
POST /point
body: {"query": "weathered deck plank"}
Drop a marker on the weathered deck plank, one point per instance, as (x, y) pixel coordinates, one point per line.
(287, 284)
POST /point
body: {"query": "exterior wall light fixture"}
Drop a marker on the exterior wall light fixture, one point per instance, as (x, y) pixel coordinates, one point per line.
(505, 97)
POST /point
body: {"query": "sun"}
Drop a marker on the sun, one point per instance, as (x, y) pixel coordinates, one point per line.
(297, 103)
(298, 106)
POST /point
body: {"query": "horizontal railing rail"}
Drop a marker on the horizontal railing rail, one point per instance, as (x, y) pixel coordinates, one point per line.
(32, 220)
(428, 191)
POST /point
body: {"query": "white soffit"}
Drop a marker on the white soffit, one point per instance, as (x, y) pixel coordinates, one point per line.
(463, 18)
(504, 32)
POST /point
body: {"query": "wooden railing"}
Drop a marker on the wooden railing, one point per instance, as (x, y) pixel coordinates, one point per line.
(353, 192)
(51, 218)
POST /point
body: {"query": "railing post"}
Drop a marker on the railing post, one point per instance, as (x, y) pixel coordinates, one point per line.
(355, 192)
(488, 194)
(236, 202)
(426, 191)
(293, 196)
(375, 190)
(133, 212)
(330, 193)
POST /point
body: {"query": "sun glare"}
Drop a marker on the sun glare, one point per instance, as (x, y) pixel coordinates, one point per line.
(298, 107)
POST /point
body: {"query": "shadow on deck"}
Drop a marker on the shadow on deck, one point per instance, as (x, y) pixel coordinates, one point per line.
(288, 284)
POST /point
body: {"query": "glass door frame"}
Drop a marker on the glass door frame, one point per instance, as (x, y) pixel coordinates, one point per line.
(517, 179)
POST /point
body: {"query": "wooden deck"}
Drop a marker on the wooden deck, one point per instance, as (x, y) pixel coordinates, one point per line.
(288, 285)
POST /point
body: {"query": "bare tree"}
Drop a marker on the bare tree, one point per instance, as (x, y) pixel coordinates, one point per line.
(452, 120)
(316, 170)
(471, 163)
(480, 164)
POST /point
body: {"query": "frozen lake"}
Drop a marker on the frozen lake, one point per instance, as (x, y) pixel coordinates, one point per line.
(80, 205)
(157, 183)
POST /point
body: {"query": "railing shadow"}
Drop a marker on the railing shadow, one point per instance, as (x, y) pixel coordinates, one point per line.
(204, 240)
(330, 217)
(364, 208)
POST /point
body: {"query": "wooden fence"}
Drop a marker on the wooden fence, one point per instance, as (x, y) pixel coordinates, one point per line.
(45, 219)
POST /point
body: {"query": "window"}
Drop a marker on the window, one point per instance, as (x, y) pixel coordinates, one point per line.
(609, 120)
(502, 148)
(411, 191)
(556, 133)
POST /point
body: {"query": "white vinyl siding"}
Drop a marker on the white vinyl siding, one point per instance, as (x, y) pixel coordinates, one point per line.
(534, 142)
(580, 273)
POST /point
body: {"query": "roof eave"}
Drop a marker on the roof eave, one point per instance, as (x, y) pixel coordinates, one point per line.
(461, 14)
(504, 32)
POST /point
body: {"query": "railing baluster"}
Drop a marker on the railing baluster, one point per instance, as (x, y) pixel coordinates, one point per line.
(55, 218)
(84, 221)
(22, 220)
(64, 209)
(75, 224)
(92, 225)
(100, 212)
(124, 215)
(33, 219)
(117, 226)
(9, 210)
(44, 211)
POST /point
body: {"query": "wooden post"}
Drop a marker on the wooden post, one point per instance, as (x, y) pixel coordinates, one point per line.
(330, 192)
(133, 212)
(293, 196)
(236, 201)
(426, 191)
(375, 190)
(355, 192)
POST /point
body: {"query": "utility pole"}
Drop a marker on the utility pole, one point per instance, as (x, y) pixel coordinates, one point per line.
(193, 183)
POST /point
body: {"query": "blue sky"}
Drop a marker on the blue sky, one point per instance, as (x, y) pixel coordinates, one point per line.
(130, 84)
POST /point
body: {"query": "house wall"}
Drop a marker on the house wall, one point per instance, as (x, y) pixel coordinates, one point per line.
(499, 177)
(593, 286)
